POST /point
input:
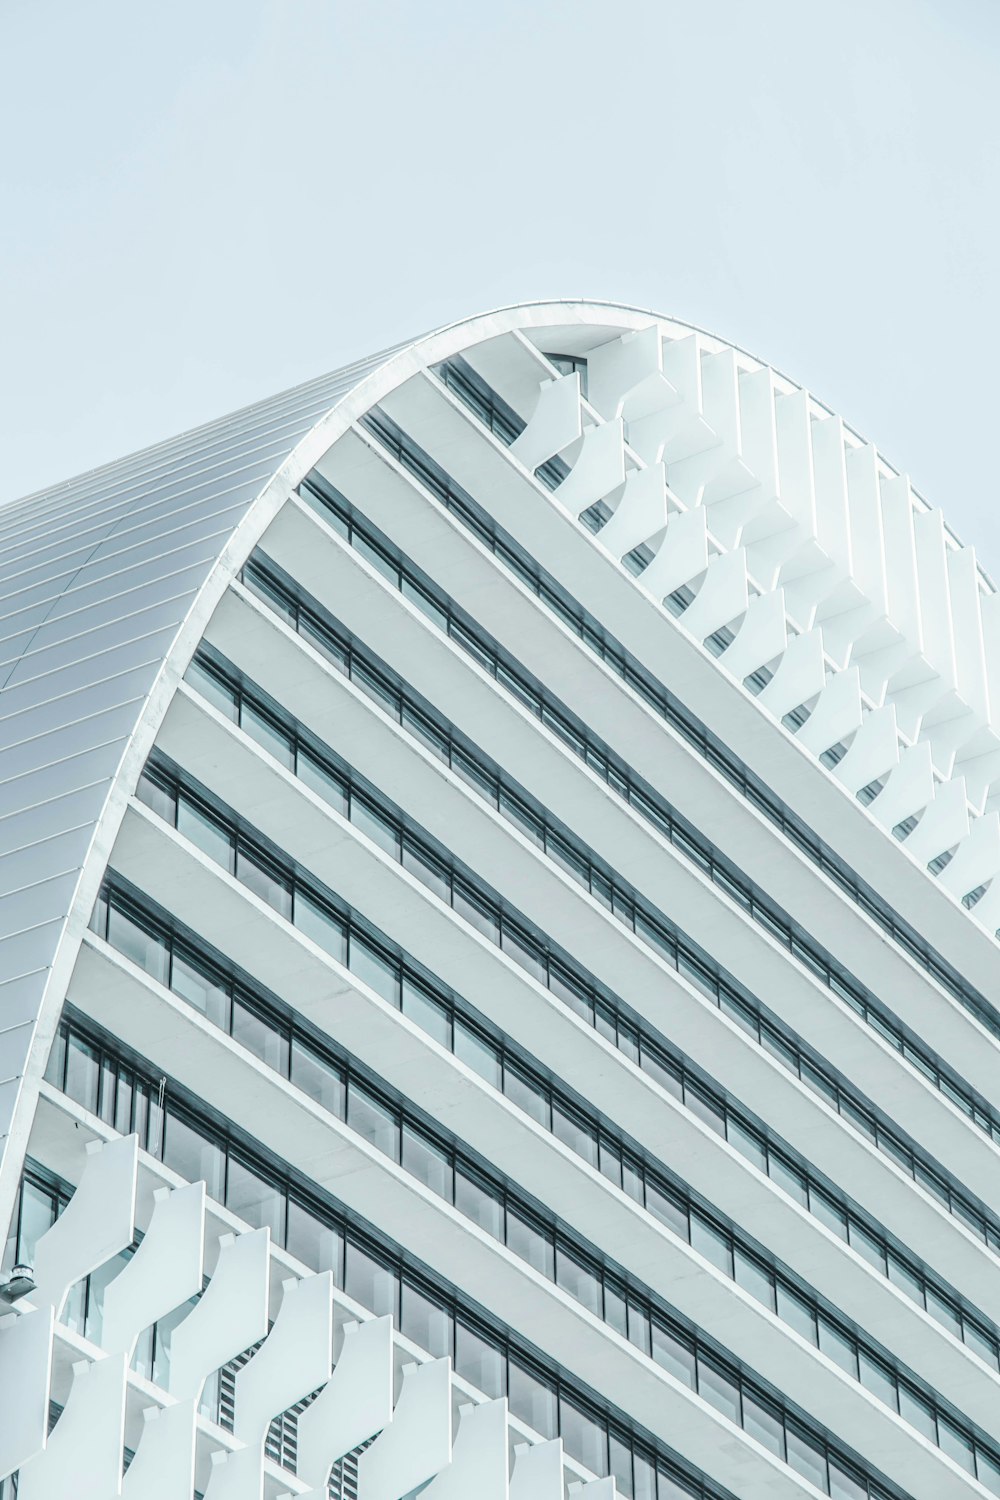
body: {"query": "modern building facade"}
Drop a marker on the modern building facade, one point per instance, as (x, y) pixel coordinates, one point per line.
(498, 940)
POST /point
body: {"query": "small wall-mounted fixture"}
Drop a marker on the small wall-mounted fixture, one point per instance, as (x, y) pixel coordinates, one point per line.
(20, 1283)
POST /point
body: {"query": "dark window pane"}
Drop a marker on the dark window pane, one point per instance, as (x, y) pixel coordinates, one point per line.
(319, 1245)
(584, 1439)
(763, 1422)
(255, 1199)
(719, 1390)
(579, 1280)
(428, 1162)
(82, 1073)
(188, 1151)
(480, 1362)
(261, 1037)
(322, 780)
(579, 1136)
(796, 1312)
(841, 1349)
(200, 988)
(754, 1278)
(206, 833)
(373, 1119)
(374, 825)
(525, 1093)
(219, 694)
(477, 1053)
(425, 1321)
(371, 1283)
(375, 969)
(478, 1202)
(321, 1080)
(532, 1400)
(325, 929)
(531, 1243)
(806, 1457)
(269, 735)
(673, 1353)
(711, 1243)
(426, 1012)
(137, 941)
(258, 875)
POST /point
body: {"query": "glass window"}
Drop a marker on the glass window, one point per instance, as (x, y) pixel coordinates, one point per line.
(321, 1080)
(583, 1437)
(219, 694)
(829, 1213)
(674, 1353)
(82, 1072)
(665, 1207)
(38, 1214)
(375, 825)
(866, 1245)
(371, 1283)
(159, 799)
(706, 1109)
(136, 940)
(571, 1129)
(611, 1160)
(525, 1093)
(428, 870)
(477, 1053)
(123, 1102)
(524, 952)
(908, 1282)
(190, 1152)
(796, 1312)
(478, 1202)
(325, 929)
(754, 1277)
(261, 1037)
(531, 1399)
(326, 783)
(199, 987)
(944, 1312)
(373, 1119)
(428, 1162)
(426, 1012)
(479, 1361)
(480, 914)
(917, 1412)
(747, 1143)
(375, 968)
(206, 833)
(579, 1280)
(712, 1243)
(259, 875)
(955, 1444)
(877, 1378)
(268, 734)
(531, 1242)
(255, 1199)
(719, 1390)
(425, 1321)
(845, 1484)
(806, 1457)
(55, 1068)
(838, 1346)
(319, 1245)
(763, 1423)
(789, 1179)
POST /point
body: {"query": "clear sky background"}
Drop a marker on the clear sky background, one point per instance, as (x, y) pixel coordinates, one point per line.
(203, 203)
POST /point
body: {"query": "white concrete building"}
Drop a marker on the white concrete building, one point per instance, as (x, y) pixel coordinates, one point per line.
(499, 879)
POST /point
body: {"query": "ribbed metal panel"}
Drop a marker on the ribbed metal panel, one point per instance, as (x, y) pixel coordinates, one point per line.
(97, 576)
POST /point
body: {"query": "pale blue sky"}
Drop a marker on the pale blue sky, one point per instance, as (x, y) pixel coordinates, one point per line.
(206, 202)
